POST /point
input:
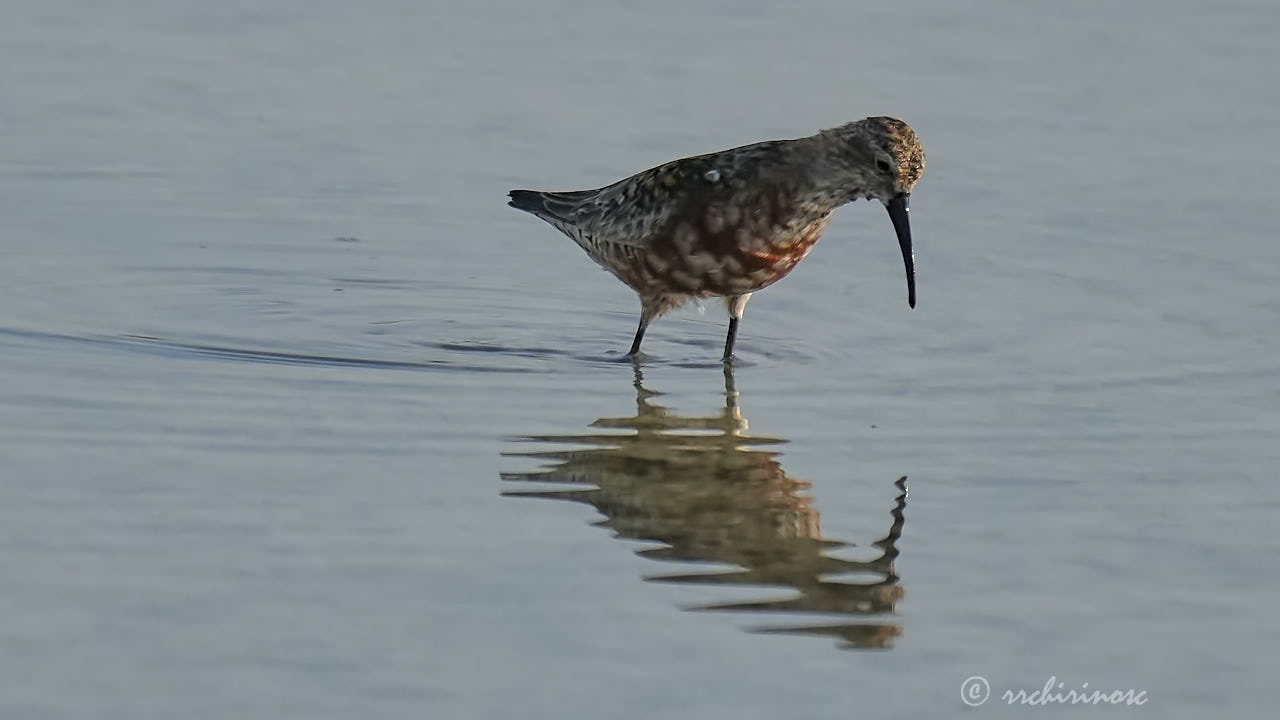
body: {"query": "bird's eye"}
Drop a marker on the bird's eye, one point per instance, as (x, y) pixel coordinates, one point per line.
(883, 165)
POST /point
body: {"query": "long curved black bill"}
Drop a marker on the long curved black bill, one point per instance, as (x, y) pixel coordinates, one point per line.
(899, 209)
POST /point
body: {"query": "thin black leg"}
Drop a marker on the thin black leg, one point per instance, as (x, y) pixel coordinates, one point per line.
(737, 306)
(635, 344)
(728, 343)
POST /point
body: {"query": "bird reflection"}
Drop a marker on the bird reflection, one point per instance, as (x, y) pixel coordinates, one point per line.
(709, 493)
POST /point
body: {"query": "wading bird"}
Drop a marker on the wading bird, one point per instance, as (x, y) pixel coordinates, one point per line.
(729, 223)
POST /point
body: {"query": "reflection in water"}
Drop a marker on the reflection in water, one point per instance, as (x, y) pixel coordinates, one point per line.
(700, 486)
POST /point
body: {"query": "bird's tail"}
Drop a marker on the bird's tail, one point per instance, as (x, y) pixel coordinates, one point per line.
(527, 200)
(551, 206)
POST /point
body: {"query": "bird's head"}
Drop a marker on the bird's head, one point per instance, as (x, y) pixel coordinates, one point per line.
(881, 158)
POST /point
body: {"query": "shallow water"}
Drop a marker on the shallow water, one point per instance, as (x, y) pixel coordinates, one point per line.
(285, 386)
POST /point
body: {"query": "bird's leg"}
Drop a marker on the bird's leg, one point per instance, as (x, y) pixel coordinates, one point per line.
(646, 317)
(737, 306)
(728, 343)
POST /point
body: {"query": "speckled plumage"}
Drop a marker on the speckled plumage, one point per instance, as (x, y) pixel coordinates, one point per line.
(733, 222)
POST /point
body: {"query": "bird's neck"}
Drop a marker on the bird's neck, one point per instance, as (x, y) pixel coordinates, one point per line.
(835, 176)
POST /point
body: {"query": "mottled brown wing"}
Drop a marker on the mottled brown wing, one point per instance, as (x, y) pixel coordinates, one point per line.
(632, 211)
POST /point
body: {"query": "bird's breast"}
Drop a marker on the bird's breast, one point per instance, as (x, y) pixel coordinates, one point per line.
(726, 250)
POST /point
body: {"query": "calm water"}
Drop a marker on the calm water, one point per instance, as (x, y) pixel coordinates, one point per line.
(285, 388)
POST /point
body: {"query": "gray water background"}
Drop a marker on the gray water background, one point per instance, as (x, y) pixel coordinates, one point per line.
(278, 366)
